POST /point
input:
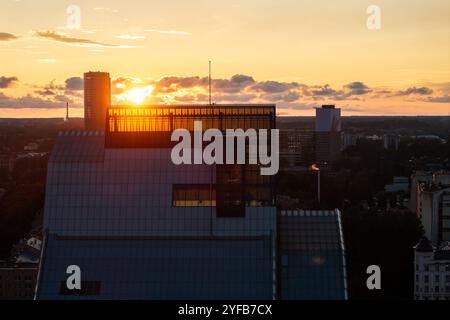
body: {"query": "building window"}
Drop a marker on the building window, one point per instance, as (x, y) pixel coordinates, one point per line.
(426, 278)
(230, 191)
(193, 195)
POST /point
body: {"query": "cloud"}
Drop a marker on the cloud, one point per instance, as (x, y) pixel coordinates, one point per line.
(181, 82)
(235, 84)
(7, 82)
(46, 61)
(321, 91)
(51, 35)
(130, 37)
(275, 86)
(170, 32)
(29, 101)
(45, 92)
(357, 88)
(290, 96)
(106, 9)
(414, 90)
(7, 36)
(74, 84)
(239, 88)
(439, 99)
(122, 84)
(69, 91)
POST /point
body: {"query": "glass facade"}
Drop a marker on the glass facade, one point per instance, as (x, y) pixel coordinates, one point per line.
(168, 118)
(312, 256)
(185, 268)
(142, 227)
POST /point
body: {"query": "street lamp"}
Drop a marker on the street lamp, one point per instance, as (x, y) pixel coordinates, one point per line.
(315, 168)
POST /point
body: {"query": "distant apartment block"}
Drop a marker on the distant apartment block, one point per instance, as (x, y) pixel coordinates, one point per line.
(434, 212)
(296, 148)
(399, 184)
(430, 200)
(391, 141)
(349, 140)
(432, 271)
(327, 134)
(17, 280)
(97, 99)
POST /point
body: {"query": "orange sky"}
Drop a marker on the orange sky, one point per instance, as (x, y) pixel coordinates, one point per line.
(297, 54)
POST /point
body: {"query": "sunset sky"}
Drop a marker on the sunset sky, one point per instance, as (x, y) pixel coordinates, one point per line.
(298, 54)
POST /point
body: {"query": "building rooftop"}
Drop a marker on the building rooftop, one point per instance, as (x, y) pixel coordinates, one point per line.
(424, 245)
(312, 255)
(164, 268)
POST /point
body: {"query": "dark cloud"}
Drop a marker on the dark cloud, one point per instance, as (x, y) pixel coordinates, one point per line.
(63, 98)
(45, 92)
(242, 78)
(274, 86)
(7, 82)
(7, 36)
(357, 88)
(29, 101)
(235, 98)
(51, 35)
(181, 82)
(414, 90)
(50, 89)
(321, 91)
(290, 96)
(441, 99)
(56, 93)
(236, 84)
(74, 84)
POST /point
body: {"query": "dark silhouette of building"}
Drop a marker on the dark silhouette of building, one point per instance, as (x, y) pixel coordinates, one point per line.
(17, 280)
(97, 99)
(327, 134)
(140, 226)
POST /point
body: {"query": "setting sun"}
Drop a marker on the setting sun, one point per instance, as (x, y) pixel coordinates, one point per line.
(136, 95)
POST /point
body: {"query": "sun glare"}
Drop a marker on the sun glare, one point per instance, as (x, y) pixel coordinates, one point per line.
(137, 95)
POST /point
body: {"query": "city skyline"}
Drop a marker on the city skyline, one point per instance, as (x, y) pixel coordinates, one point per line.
(298, 55)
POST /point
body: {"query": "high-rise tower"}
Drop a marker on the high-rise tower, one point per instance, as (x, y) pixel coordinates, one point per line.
(97, 98)
(327, 134)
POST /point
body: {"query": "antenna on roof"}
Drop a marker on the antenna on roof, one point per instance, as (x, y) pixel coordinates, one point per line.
(67, 111)
(209, 80)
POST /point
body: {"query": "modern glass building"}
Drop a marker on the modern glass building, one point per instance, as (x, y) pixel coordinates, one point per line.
(141, 227)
